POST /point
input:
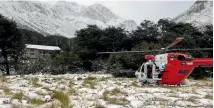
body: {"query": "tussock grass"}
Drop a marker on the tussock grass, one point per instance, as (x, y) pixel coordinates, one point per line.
(118, 101)
(3, 79)
(172, 95)
(99, 106)
(156, 101)
(192, 99)
(71, 83)
(72, 91)
(7, 91)
(134, 83)
(18, 106)
(209, 96)
(35, 81)
(36, 101)
(90, 82)
(46, 88)
(114, 91)
(63, 98)
(53, 105)
(19, 96)
(103, 79)
(91, 78)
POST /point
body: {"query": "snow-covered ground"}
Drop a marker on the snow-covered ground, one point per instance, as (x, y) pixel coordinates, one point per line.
(98, 91)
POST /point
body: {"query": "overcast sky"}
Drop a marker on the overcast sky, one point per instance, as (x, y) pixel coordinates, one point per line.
(141, 10)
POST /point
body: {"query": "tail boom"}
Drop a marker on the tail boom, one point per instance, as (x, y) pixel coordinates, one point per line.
(203, 62)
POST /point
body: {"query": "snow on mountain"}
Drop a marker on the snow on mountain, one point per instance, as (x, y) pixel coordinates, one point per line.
(200, 14)
(63, 18)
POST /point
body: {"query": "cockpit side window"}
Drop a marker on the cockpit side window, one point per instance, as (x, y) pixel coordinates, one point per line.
(181, 57)
(142, 69)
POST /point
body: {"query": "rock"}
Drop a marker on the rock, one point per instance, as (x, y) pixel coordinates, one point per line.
(6, 101)
(101, 102)
(47, 98)
(186, 82)
(136, 104)
(14, 101)
(32, 95)
(23, 84)
(24, 101)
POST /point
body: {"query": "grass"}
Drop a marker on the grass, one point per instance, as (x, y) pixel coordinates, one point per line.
(7, 91)
(103, 78)
(46, 88)
(90, 82)
(35, 81)
(63, 98)
(118, 83)
(156, 101)
(99, 106)
(3, 79)
(53, 105)
(71, 83)
(192, 99)
(72, 91)
(209, 96)
(36, 101)
(18, 96)
(17, 106)
(114, 91)
(118, 101)
(134, 83)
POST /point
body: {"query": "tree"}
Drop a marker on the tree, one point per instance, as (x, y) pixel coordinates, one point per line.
(147, 32)
(115, 39)
(89, 37)
(57, 40)
(17, 50)
(10, 37)
(170, 30)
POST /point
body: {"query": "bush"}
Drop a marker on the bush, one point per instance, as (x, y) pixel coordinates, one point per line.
(124, 65)
(40, 65)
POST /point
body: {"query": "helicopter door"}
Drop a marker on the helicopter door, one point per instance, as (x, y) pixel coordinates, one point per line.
(149, 70)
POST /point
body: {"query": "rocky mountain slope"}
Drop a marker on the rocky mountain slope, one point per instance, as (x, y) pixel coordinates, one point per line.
(200, 14)
(63, 18)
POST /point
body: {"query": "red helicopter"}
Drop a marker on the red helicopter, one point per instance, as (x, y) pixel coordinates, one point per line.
(168, 68)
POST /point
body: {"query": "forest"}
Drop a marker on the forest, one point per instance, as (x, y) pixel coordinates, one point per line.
(79, 54)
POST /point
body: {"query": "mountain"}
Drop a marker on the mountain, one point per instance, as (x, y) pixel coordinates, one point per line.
(63, 18)
(200, 14)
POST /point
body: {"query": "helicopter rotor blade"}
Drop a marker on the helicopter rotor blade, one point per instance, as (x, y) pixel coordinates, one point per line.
(177, 40)
(195, 49)
(149, 51)
(128, 52)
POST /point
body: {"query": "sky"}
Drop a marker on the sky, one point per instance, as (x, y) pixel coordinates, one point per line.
(141, 10)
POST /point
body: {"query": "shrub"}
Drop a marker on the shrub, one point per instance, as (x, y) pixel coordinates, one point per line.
(124, 65)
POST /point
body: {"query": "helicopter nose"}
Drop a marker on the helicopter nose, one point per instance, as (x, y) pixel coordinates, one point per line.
(136, 73)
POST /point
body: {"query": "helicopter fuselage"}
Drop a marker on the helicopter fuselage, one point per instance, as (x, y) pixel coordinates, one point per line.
(169, 68)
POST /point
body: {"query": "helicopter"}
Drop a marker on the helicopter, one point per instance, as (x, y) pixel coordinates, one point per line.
(168, 67)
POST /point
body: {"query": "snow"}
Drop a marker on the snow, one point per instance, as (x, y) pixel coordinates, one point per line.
(138, 96)
(42, 47)
(200, 14)
(64, 18)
